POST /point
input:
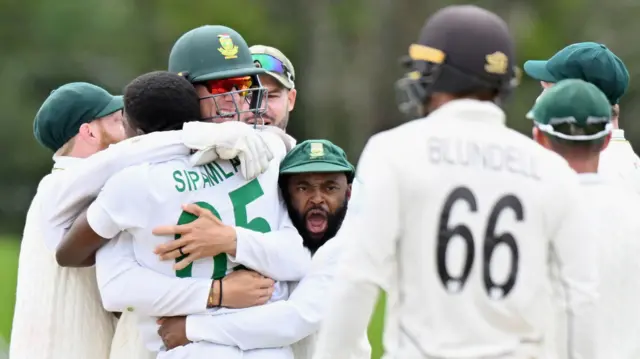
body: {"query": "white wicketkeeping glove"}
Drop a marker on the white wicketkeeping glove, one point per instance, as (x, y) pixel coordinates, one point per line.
(226, 141)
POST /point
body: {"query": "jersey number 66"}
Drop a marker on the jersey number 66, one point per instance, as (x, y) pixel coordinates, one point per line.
(491, 240)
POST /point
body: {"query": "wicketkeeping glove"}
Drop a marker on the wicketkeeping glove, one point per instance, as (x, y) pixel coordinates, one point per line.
(226, 141)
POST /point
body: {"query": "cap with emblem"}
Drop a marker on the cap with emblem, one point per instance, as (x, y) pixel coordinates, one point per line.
(67, 108)
(275, 63)
(588, 61)
(317, 156)
(461, 49)
(573, 110)
(211, 52)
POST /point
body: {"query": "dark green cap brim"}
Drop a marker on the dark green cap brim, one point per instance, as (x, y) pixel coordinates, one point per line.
(228, 74)
(318, 167)
(116, 104)
(537, 69)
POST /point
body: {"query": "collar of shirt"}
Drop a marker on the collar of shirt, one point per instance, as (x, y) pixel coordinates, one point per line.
(63, 162)
(472, 110)
(590, 178)
(617, 134)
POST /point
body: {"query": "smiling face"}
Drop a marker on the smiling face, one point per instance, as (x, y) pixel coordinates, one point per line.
(280, 103)
(317, 204)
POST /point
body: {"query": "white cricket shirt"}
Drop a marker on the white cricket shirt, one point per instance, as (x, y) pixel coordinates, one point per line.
(615, 212)
(140, 198)
(461, 219)
(53, 303)
(619, 163)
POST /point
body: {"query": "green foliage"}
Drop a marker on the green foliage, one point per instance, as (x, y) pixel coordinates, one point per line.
(345, 54)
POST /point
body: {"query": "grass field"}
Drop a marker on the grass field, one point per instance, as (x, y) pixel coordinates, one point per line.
(9, 257)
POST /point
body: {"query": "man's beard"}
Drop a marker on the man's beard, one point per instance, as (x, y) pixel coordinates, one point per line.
(260, 119)
(106, 139)
(334, 221)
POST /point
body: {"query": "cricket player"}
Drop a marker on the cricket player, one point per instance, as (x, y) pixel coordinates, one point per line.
(54, 304)
(595, 63)
(574, 119)
(83, 184)
(279, 79)
(315, 179)
(461, 218)
(159, 100)
(78, 121)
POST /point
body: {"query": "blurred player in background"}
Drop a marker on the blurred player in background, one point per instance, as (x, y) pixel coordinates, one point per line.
(573, 119)
(460, 217)
(315, 179)
(596, 64)
(58, 313)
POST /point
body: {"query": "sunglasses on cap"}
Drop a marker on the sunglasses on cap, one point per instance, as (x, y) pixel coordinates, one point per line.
(218, 87)
(272, 64)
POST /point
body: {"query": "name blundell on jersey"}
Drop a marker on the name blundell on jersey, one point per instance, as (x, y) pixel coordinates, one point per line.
(487, 156)
(208, 175)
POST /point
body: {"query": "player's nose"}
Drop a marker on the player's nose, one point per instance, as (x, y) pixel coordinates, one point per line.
(316, 198)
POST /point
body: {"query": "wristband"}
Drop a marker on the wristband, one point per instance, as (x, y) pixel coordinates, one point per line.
(220, 298)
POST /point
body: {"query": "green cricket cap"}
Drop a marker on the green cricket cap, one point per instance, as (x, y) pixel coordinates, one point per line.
(588, 61)
(317, 156)
(67, 108)
(576, 103)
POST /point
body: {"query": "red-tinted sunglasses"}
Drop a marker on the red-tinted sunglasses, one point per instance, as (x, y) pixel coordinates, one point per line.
(217, 87)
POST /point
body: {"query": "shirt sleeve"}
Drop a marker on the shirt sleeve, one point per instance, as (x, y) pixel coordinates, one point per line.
(262, 326)
(574, 252)
(78, 185)
(279, 142)
(370, 235)
(51, 231)
(279, 255)
(125, 285)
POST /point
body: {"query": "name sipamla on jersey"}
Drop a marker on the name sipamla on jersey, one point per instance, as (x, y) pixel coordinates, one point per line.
(487, 156)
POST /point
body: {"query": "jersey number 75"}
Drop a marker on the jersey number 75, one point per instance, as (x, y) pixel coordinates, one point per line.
(240, 198)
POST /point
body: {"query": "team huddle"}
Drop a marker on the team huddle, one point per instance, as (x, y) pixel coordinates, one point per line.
(180, 220)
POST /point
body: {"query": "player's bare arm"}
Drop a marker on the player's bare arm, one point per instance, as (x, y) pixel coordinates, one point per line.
(241, 289)
(79, 245)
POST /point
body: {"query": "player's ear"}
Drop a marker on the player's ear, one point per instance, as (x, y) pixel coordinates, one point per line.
(539, 137)
(348, 194)
(87, 133)
(292, 94)
(606, 142)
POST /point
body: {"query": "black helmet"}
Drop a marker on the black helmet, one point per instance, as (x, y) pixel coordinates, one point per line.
(462, 49)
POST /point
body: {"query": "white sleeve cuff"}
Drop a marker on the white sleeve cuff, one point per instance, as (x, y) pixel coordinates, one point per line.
(101, 222)
(241, 245)
(196, 325)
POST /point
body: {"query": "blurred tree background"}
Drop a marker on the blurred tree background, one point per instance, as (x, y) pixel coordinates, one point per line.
(345, 54)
